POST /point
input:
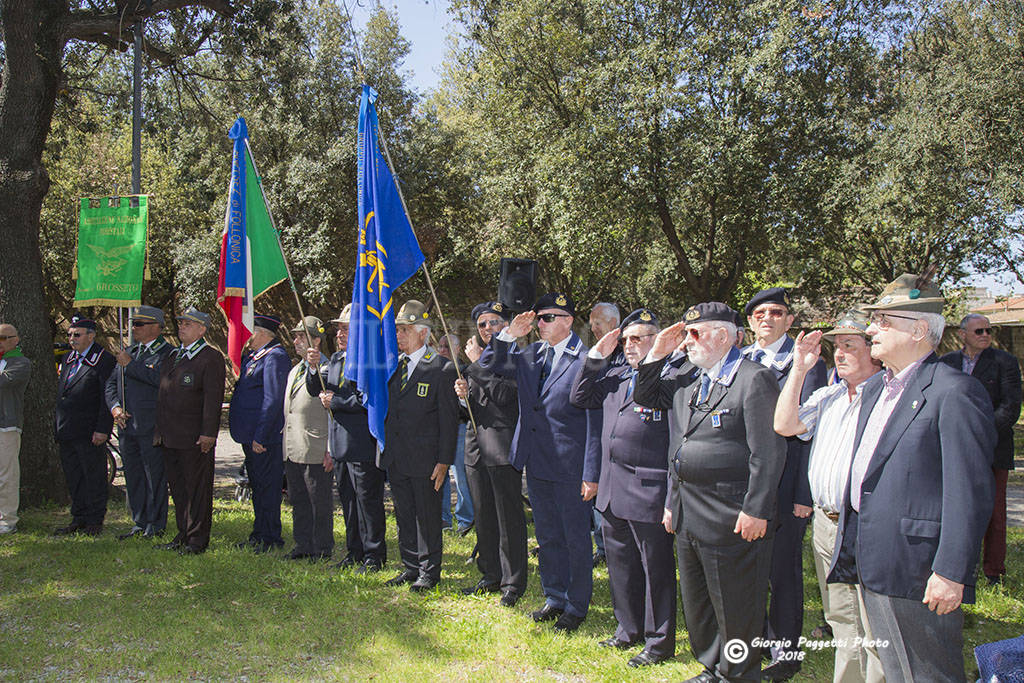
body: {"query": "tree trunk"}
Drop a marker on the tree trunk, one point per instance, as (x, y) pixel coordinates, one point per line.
(28, 91)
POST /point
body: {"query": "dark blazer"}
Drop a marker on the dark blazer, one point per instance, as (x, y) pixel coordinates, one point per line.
(999, 372)
(495, 403)
(349, 432)
(634, 443)
(257, 404)
(81, 404)
(423, 419)
(717, 471)
(928, 490)
(141, 385)
(189, 399)
(794, 486)
(555, 439)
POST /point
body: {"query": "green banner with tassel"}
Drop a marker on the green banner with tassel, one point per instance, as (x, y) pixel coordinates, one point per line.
(111, 250)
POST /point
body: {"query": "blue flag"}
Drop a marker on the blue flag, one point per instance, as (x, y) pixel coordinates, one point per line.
(388, 256)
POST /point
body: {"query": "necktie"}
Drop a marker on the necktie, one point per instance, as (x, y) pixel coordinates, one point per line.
(403, 367)
(77, 360)
(757, 356)
(545, 369)
(632, 384)
(300, 379)
(705, 388)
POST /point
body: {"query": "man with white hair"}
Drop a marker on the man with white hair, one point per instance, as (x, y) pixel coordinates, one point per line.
(920, 489)
(14, 373)
(725, 461)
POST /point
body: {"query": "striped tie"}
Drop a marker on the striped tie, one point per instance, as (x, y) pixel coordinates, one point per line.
(403, 366)
(300, 379)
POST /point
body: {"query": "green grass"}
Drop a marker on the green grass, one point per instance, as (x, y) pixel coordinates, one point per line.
(98, 609)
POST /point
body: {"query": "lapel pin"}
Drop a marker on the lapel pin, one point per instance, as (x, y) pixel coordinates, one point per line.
(913, 406)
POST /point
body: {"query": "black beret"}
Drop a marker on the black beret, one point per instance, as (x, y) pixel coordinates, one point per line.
(640, 316)
(495, 307)
(708, 311)
(267, 322)
(772, 295)
(83, 322)
(556, 300)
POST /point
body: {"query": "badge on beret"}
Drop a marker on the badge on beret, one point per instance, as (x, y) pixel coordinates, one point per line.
(645, 316)
(692, 314)
(785, 298)
(560, 300)
(497, 307)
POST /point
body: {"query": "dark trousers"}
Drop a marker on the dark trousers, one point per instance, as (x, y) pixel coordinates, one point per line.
(418, 515)
(993, 561)
(190, 478)
(367, 483)
(266, 476)
(562, 524)
(724, 588)
(922, 646)
(85, 469)
(500, 525)
(145, 481)
(311, 494)
(349, 511)
(786, 580)
(642, 577)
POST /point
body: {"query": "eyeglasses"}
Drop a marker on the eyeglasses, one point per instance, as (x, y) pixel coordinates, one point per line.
(484, 324)
(142, 323)
(762, 313)
(75, 335)
(636, 338)
(8, 336)
(882, 320)
(980, 331)
(550, 317)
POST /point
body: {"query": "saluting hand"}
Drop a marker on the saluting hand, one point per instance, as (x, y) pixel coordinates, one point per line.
(806, 351)
(608, 343)
(668, 340)
(521, 324)
(473, 350)
(750, 528)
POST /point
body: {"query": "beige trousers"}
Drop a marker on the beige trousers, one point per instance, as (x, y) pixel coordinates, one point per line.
(10, 477)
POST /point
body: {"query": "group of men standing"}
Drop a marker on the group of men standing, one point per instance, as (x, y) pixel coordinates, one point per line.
(696, 451)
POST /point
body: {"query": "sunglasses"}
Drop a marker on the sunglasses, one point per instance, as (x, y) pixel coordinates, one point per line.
(882, 320)
(983, 330)
(75, 335)
(142, 323)
(550, 317)
(763, 313)
(8, 336)
(636, 338)
(484, 324)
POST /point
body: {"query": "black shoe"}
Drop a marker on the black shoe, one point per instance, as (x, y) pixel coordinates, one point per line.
(191, 550)
(645, 658)
(72, 528)
(348, 562)
(153, 533)
(547, 613)
(463, 531)
(422, 585)
(567, 623)
(599, 559)
(173, 545)
(92, 529)
(480, 588)
(994, 579)
(296, 554)
(616, 643)
(780, 670)
(247, 544)
(705, 676)
(509, 599)
(136, 531)
(369, 566)
(401, 579)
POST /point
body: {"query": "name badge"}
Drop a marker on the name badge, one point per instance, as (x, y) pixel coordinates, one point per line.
(421, 388)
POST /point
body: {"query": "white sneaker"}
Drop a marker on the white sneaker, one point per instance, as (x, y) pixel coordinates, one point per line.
(7, 529)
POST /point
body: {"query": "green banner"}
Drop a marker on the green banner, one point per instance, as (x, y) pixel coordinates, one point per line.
(111, 251)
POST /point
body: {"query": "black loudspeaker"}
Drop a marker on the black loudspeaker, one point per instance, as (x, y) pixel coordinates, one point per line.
(517, 288)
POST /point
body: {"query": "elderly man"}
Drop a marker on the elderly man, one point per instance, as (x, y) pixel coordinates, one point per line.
(726, 461)
(830, 415)
(631, 493)
(354, 452)
(83, 425)
(187, 421)
(256, 419)
(769, 316)
(559, 445)
(131, 394)
(419, 446)
(15, 370)
(999, 372)
(920, 491)
(307, 464)
(495, 484)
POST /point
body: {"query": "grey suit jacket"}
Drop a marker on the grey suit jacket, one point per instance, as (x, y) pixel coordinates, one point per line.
(305, 420)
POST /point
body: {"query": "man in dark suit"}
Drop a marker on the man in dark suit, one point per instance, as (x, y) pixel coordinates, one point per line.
(187, 421)
(256, 419)
(999, 372)
(131, 395)
(631, 493)
(726, 461)
(559, 445)
(770, 317)
(354, 450)
(419, 446)
(494, 484)
(83, 424)
(920, 489)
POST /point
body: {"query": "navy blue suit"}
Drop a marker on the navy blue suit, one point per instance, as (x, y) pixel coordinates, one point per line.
(786, 609)
(257, 414)
(559, 446)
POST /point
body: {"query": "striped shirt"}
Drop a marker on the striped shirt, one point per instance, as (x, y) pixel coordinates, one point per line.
(830, 416)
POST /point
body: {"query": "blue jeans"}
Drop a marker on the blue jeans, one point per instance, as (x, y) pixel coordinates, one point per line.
(463, 501)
